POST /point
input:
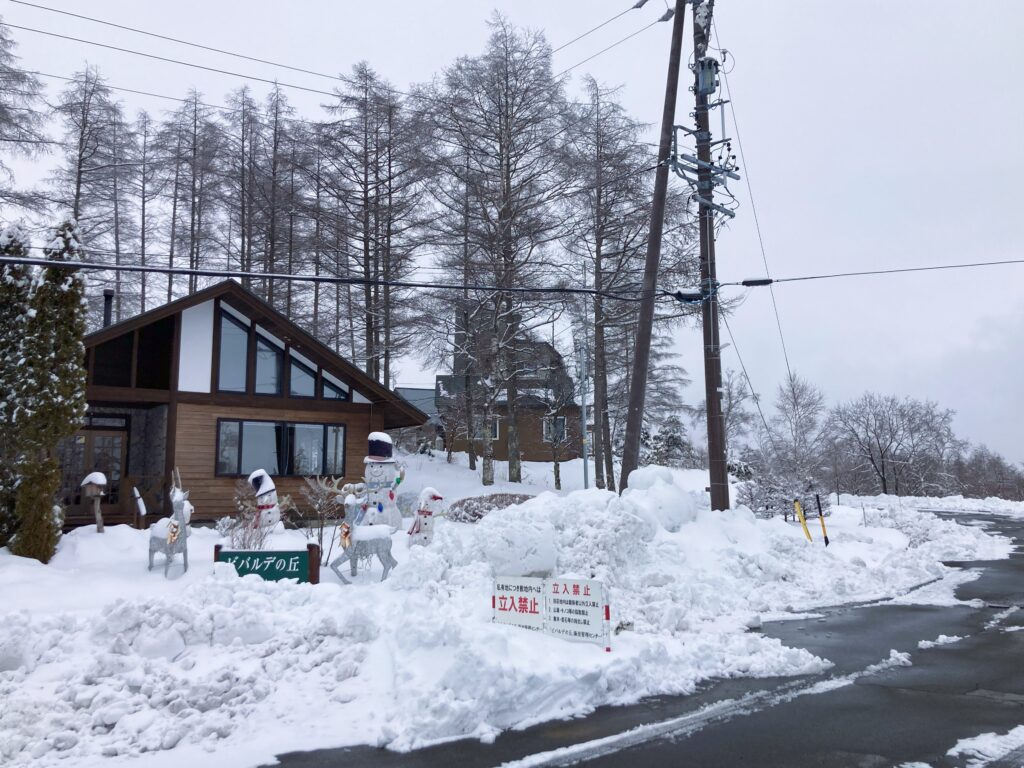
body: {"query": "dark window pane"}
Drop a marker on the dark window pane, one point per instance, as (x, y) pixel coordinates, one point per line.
(303, 381)
(227, 451)
(268, 368)
(335, 464)
(156, 348)
(112, 362)
(262, 446)
(234, 354)
(307, 445)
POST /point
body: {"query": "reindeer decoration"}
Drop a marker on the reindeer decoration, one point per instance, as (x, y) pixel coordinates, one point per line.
(169, 535)
(363, 541)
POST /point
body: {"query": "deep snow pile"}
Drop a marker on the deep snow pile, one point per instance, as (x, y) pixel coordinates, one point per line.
(249, 668)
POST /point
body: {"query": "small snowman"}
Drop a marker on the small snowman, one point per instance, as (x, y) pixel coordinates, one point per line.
(428, 506)
(266, 498)
(382, 476)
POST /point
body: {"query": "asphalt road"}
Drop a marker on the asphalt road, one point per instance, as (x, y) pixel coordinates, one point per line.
(847, 717)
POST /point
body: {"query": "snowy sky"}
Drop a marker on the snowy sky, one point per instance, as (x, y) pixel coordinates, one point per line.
(878, 134)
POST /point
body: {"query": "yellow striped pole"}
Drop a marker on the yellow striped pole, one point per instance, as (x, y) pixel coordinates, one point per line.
(801, 518)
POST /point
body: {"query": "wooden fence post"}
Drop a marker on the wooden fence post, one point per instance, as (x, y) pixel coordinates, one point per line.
(314, 563)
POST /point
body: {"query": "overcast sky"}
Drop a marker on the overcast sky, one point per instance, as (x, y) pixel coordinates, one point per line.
(877, 134)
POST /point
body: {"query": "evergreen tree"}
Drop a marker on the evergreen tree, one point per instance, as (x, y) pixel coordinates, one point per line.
(669, 446)
(52, 403)
(15, 285)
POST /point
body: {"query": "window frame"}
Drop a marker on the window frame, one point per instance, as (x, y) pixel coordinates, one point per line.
(314, 372)
(288, 355)
(545, 429)
(249, 351)
(287, 459)
(281, 365)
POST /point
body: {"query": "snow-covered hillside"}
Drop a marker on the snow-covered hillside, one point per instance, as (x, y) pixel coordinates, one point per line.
(101, 659)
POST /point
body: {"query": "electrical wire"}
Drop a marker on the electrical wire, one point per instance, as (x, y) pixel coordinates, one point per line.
(269, 62)
(172, 61)
(284, 277)
(746, 376)
(893, 271)
(753, 205)
(178, 40)
(605, 50)
(605, 23)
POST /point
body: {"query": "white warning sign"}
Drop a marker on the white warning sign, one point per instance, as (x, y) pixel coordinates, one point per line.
(573, 609)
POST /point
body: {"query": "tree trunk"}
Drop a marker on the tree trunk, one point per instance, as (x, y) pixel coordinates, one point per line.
(193, 212)
(142, 218)
(174, 217)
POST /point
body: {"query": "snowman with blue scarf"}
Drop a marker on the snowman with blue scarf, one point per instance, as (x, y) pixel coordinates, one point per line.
(381, 477)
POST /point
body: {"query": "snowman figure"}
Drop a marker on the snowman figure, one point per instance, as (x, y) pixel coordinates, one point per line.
(429, 505)
(382, 476)
(266, 498)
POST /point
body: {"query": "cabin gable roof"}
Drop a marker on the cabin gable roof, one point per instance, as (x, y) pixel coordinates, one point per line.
(267, 317)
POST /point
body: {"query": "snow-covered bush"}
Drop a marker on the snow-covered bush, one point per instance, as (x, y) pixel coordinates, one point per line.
(321, 495)
(474, 508)
(244, 530)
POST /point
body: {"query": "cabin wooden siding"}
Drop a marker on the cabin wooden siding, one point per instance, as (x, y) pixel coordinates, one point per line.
(196, 446)
(532, 446)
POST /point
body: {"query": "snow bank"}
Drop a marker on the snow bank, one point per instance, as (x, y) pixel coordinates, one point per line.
(100, 658)
(983, 749)
(991, 505)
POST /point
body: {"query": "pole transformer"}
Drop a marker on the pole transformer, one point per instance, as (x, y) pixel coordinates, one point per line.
(645, 324)
(705, 84)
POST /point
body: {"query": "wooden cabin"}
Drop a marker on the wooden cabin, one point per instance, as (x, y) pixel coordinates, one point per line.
(215, 385)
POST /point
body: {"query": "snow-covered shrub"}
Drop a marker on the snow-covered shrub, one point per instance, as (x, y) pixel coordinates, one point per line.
(474, 508)
(321, 495)
(244, 530)
(769, 494)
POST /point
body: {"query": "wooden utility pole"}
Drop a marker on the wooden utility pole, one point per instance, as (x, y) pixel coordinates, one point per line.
(717, 462)
(645, 325)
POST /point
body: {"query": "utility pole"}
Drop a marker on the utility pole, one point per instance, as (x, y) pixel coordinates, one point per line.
(705, 82)
(645, 325)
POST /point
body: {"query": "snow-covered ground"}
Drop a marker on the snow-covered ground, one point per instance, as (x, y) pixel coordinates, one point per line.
(102, 661)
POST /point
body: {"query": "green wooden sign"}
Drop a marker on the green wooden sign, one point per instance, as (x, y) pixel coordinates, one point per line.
(303, 565)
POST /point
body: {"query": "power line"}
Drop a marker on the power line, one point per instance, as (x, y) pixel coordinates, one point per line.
(258, 60)
(178, 40)
(639, 4)
(746, 376)
(613, 45)
(753, 205)
(757, 282)
(172, 61)
(331, 279)
(132, 90)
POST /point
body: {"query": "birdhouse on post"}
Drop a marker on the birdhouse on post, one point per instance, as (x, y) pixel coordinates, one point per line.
(93, 487)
